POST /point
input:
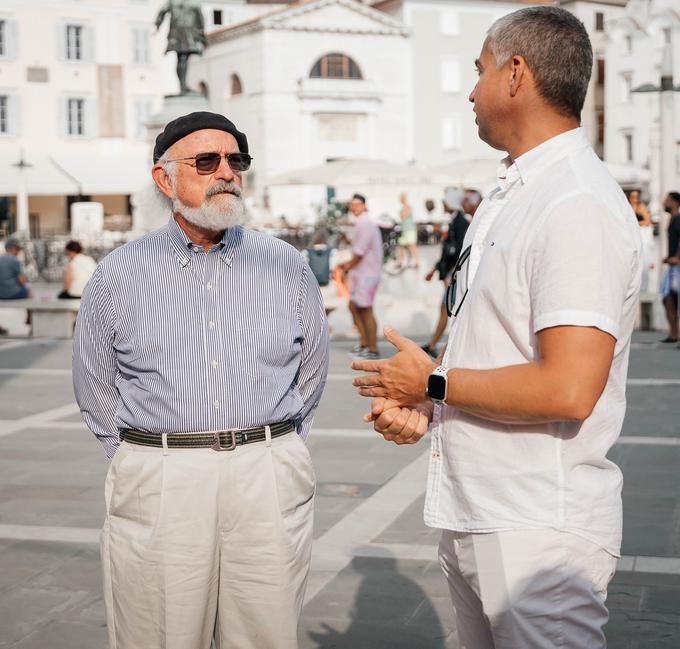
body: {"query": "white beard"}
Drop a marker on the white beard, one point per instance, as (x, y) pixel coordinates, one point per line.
(218, 212)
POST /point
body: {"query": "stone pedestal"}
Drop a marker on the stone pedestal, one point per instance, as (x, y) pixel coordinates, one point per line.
(146, 215)
(173, 107)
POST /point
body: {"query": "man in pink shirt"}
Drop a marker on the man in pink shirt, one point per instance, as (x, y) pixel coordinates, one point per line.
(365, 269)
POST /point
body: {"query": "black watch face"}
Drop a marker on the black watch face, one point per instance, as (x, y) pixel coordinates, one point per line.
(436, 387)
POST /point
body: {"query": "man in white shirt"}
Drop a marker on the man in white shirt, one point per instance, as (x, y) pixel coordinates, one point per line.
(530, 393)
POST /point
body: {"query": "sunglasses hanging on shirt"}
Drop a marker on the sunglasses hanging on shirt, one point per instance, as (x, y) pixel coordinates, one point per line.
(451, 291)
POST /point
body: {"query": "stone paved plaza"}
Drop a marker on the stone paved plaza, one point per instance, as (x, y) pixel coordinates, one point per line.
(375, 583)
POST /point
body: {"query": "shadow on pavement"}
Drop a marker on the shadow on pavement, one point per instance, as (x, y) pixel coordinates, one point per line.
(390, 610)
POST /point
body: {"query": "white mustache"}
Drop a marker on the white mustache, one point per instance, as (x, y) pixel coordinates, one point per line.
(221, 187)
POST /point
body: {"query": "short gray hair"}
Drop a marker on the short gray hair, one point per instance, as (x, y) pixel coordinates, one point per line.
(556, 47)
(169, 166)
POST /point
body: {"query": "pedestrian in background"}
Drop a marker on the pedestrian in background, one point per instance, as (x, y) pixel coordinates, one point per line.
(409, 235)
(199, 359)
(78, 271)
(471, 201)
(364, 270)
(13, 282)
(530, 394)
(452, 245)
(641, 210)
(670, 286)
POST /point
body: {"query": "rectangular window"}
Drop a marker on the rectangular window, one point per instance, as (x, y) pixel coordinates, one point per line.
(217, 17)
(75, 116)
(628, 146)
(4, 114)
(450, 75)
(140, 46)
(626, 87)
(600, 72)
(450, 23)
(627, 44)
(599, 21)
(450, 134)
(74, 42)
(142, 114)
(3, 38)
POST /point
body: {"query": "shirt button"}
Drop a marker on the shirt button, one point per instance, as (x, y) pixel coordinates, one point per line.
(216, 404)
(211, 324)
(209, 285)
(214, 364)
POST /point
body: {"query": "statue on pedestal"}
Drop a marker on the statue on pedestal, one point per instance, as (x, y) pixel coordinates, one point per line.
(186, 35)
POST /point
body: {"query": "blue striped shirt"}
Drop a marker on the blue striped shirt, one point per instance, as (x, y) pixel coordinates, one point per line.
(173, 339)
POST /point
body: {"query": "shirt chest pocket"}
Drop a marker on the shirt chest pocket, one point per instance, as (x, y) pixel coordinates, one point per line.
(501, 280)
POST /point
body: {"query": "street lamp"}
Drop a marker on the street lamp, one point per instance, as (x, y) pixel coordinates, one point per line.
(667, 163)
(666, 130)
(22, 226)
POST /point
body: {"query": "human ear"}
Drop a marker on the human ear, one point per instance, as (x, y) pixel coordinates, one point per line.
(162, 180)
(517, 67)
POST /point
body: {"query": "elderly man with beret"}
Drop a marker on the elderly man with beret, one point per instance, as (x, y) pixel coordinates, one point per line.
(200, 355)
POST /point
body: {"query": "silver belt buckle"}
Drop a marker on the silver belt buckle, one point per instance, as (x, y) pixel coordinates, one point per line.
(217, 446)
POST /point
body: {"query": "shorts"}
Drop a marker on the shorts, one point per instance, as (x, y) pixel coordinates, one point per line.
(363, 290)
(22, 293)
(671, 281)
(408, 238)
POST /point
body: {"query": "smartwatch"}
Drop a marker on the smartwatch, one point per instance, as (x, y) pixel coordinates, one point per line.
(437, 384)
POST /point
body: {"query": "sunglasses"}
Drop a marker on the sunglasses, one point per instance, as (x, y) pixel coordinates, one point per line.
(451, 290)
(208, 163)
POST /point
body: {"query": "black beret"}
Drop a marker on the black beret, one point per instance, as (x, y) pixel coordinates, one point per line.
(182, 126)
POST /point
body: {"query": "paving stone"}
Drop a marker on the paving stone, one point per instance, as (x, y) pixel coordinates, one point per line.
(646, 579)
(67, 513)
(25, 610)
(652, 410)
(21, 561)
(624, 597)
(410, 528)
(47, 390)
(662, 599)
(65, 635)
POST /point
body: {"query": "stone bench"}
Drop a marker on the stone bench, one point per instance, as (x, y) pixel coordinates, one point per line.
(49, 318)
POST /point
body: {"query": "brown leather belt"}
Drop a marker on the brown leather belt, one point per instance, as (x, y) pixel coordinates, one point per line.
(220, 440)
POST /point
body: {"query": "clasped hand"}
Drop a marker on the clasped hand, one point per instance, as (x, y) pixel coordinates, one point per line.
(400, 411)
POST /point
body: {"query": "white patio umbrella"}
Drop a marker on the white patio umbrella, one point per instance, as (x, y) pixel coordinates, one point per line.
(628, 174)
(356, 171)
(476, 173)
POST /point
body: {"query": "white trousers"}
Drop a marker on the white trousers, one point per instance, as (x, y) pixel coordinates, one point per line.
(199, 543)
(527, 589)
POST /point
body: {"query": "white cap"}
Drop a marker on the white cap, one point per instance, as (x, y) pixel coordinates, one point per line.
(453, 197)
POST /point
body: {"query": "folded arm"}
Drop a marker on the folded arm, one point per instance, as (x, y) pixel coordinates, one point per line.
(94, 363)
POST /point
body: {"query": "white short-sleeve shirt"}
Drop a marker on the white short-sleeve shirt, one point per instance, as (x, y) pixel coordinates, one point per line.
(556, 243)
(82, 268)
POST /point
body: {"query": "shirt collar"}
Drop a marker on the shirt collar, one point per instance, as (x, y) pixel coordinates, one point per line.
(534, 161)
(181, 244)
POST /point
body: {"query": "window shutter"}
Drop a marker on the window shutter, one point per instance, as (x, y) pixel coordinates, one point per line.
(62, 116)
(61, 42)
(88, 44)
(14, 110)
(12, 35)
(90, 115)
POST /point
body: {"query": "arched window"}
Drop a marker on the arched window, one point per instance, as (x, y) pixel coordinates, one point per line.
(203, 89)
(236, 85)
(335, 66)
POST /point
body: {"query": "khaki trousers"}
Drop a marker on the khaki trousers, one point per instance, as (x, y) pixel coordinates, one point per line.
(527, 589)
(198, 543)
